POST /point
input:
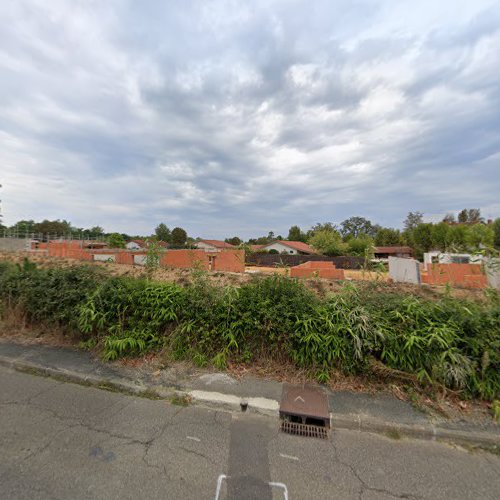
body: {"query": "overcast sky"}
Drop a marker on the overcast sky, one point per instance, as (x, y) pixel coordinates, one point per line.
(240, 117)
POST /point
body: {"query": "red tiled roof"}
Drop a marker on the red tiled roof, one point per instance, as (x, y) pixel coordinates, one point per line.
(217, 243)
(296, 245)
(393, 250)
(256, 247)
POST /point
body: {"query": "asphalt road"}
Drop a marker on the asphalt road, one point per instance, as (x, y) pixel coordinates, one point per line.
(64, 441)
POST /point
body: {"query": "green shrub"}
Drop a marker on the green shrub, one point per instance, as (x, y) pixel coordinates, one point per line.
(448, 342)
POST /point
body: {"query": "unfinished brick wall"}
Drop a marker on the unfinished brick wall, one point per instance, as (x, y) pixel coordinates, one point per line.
(461, 275)
(227, 260)
(320, 269)
(68, 249)
(185, 259)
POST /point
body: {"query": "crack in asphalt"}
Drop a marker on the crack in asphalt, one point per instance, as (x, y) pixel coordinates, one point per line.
(364, 487)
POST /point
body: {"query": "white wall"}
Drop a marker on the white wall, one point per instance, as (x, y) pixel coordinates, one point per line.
(105, 257)
(140, 260)
(280, 248)
(492, 269)
(404, 270)
(132, 245)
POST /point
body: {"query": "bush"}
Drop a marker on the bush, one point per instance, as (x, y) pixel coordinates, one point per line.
(447, 342)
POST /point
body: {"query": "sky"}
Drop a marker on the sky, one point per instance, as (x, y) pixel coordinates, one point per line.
(238, 118)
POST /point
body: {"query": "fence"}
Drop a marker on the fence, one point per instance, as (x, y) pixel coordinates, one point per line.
(273, 260)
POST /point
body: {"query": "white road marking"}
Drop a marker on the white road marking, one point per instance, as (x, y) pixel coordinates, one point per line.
(290, 457)
(219, 485)
(223, 477)
(193, 438)
(281, 485)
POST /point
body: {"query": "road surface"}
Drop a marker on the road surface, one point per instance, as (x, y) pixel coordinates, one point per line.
(64, 441)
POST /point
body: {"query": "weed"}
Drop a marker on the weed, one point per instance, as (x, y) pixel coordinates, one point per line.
(180, 399)
(393, 434)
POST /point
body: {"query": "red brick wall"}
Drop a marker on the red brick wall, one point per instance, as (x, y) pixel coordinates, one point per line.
(230, 260)
(227, 260)
(320, 269)
(463, 275)
(185, 258)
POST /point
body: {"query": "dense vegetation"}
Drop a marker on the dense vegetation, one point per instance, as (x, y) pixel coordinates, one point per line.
(447, 342)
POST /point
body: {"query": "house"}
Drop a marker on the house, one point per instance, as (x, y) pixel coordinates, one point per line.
(135, 245)
(382, 254)
(142, 244)
(289, 247)
(213, 245)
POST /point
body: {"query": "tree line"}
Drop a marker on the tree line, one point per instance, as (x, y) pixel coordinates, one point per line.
(353, 236)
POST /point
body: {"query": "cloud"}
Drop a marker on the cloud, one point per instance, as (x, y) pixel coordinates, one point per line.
(229, 117)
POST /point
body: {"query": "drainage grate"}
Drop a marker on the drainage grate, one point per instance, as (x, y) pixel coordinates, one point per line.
(306, 430)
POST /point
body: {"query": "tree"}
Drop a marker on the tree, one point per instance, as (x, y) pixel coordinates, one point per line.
(179, 237)
(449, 219)
(387, 236)
(325, 226)
(360, 246)
(163, 233)
(422, 237)
(96, 231)
(234, 241)
(440, 236)
(328, 242)
(355, 227)
(116, 240)
(496, 232)
(457, 236)
(470, 216)
(480, 236)
(296, 234)
(413, 219)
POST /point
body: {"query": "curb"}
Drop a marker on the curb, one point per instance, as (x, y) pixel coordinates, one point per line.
(263, 406)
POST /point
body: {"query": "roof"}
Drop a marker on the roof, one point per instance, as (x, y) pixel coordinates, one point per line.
(394, 249)
(256, 247)
(144, 243)
(296, 245)
(217, 243)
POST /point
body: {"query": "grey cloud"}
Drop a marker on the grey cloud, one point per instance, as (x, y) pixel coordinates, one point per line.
(238, 118)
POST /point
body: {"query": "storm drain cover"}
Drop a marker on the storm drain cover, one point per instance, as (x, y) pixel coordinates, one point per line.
(304, 411)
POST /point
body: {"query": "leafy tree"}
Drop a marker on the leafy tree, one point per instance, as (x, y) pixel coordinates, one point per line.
(387, 236)
(457, 237)
(470, 216)
(355, 227)
(179, 236)
(360, 246)
(59, 227)
(496, 232)
(440, 236)
(162, 232)
(234, 241)
(96, 231)
(480, 236)
(449, 218)
(23, 226)
(296, 234)
(413, 219)
(422, 237)
(325, 226)
(328, 242)
(116, 240)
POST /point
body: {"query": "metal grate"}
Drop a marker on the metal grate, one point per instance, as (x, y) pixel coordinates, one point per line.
(306, 430)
